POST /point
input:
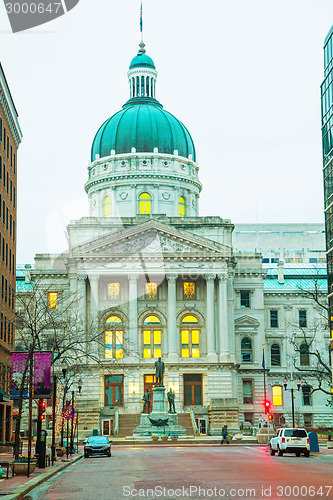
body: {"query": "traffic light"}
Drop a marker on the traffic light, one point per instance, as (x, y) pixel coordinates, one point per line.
(270, 417)
(41, 410)
(267, 407)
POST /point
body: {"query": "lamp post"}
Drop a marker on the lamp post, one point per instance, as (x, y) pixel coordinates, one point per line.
(291, 389)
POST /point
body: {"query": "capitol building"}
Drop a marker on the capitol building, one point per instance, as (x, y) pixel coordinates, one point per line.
(154, 278)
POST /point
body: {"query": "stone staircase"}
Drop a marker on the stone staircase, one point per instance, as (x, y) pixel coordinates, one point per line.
(184, 419)
(127, 422)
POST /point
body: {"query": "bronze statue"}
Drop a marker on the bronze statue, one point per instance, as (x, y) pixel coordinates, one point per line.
(159, 371)
(146, 398)
(171, 401)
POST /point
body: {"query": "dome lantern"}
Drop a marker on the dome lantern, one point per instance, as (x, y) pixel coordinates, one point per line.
(142, 75)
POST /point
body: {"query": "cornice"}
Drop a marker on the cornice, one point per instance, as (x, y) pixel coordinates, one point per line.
(9, 109)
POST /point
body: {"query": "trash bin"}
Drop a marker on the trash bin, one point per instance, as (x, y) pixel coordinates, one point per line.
(314, 445)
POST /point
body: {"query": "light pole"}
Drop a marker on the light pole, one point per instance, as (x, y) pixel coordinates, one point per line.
(291, 389)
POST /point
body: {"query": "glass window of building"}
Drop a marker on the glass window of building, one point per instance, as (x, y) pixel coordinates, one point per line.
(190, 337)
(306, 396)
(302, 320)
(304, 355)
(247, 392)
(277, 395)
(193, 390)
(151, 290)
(189, 291)
(245, 299)
(113, 390)
(114, 337)
(275, 355)
(53, 300)
(145, 203)
(107, 206)
(246, 350)
(152, 337)
(182, 207)
(274, 319)
(114, 291)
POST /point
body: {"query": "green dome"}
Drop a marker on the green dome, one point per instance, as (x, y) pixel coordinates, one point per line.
(144, 125)
(142, 60)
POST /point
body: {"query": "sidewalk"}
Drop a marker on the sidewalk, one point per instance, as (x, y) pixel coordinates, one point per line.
(21, 485)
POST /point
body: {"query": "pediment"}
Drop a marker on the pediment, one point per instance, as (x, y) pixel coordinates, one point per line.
(247, 321)
(151, 238)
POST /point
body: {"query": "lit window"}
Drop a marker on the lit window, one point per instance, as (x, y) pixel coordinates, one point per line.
(246, 350)
(114, 337)
(53, 300)
(181, 207)
(107, 207)
(113, 291)
(152, 337)
(277, 395)
(151, 291)
(190, 338)
(145, 203)
(189, 290)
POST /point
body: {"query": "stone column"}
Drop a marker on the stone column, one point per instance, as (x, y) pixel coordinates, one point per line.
(210, 317)
(172, 318)
(223, 319)
(133, 313)
(93, 280)
(82, 299)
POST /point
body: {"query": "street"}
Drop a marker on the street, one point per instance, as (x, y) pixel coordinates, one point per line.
(192, 472)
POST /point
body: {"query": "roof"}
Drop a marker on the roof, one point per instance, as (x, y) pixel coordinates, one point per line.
(294, 285)
(301, 271)
(142, 60)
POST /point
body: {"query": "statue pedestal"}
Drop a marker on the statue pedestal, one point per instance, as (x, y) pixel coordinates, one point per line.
(146, 428)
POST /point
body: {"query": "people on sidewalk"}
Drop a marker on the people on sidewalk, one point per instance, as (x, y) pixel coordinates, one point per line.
(225, 434)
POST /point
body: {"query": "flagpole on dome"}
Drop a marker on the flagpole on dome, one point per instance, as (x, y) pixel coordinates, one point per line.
(142, 49)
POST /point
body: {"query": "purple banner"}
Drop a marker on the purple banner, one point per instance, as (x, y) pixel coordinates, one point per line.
(42, 374)
(20, 370)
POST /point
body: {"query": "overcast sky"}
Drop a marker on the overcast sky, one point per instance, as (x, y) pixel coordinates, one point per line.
(243, 76)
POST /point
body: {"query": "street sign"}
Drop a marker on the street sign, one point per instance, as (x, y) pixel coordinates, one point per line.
(68, 412)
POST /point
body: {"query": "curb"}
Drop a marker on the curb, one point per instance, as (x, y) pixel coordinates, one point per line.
(25, 488)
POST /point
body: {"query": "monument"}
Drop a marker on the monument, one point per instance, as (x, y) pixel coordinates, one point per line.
(159, 421)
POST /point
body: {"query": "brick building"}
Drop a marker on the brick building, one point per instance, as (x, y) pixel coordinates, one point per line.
(10, 138)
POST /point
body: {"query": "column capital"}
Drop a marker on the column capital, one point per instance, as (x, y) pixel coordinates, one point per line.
(222, 277)
(171, 277)
(210, 277)
(81, 277)
(94, 277)
(133, 278)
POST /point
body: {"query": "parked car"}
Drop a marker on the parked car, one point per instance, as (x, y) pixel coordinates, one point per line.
(289, 440)
(97, 445)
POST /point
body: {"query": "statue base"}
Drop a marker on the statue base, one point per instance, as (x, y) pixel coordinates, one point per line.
(171, 428)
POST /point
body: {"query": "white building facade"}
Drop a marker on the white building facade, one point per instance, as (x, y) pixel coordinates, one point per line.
(156, 279)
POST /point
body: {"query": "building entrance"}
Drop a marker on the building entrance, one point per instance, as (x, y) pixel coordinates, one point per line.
(149, 382)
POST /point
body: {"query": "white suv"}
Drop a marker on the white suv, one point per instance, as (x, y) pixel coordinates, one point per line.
(290, 441)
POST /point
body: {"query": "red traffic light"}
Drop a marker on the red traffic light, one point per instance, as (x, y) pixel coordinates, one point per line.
(267, 406)
(42, 417)
(270, 417)
(43, 405)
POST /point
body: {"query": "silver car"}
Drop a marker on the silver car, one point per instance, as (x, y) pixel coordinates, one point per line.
(97, 445)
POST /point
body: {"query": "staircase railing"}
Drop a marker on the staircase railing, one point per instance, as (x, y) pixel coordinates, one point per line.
(194, 424)
(116, 422)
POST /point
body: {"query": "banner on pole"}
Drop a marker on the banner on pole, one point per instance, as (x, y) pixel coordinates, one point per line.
(20, 373)
(42, 375)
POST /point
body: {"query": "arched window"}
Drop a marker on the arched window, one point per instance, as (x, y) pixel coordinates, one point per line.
(181, 207)
(304, 356)
(275, 355)
(114, 335)
(152, 337)
(190, 337)
(246, 350)
(144, 203)
(107, 206)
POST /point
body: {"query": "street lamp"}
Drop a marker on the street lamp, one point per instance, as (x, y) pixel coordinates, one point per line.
(291, 389)
(64, 367)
